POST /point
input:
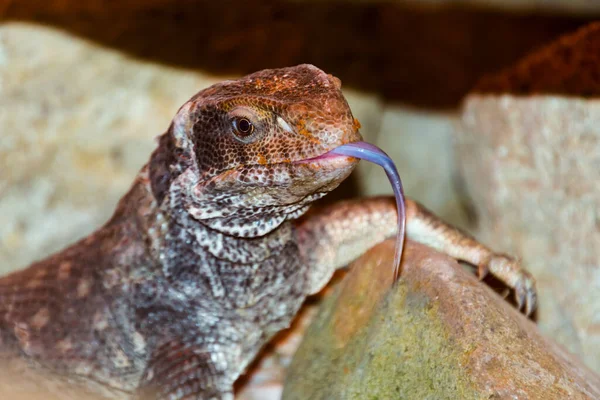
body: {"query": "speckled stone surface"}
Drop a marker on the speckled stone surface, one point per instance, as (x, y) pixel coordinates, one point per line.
(439, 334)
(529, 153)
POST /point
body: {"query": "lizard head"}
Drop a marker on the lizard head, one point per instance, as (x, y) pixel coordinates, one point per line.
(244, 155)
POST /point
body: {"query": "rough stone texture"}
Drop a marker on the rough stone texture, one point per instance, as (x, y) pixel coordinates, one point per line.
(439, 334)
(531, 165)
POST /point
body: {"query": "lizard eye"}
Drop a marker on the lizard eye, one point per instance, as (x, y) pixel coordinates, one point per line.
(243, 127)
(246, 124)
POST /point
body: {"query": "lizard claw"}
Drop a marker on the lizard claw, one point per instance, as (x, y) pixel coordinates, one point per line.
(525, 293)
(520, 297)
(514, 276)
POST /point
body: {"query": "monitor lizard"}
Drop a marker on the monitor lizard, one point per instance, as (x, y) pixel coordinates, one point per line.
(212, 250)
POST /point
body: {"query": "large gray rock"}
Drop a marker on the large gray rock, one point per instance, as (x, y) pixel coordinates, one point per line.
(529, 150)
(438, 334)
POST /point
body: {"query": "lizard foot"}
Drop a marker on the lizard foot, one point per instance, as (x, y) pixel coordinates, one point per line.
(510, 272)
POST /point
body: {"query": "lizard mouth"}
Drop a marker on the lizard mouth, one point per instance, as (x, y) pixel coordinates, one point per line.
(326, 157)
(328, 160)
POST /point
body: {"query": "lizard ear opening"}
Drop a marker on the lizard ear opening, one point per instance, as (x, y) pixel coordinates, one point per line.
(159, 168)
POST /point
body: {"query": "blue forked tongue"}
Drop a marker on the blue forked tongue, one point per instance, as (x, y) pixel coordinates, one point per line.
(369, 152)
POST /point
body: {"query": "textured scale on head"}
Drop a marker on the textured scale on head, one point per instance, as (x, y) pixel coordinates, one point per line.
(235, 154)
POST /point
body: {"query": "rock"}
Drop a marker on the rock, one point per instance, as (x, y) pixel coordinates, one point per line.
(529, 151)
(438, 334)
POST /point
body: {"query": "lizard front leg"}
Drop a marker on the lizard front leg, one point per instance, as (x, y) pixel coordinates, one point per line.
(334, 236)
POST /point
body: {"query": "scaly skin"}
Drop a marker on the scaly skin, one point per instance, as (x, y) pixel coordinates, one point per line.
(206, 257)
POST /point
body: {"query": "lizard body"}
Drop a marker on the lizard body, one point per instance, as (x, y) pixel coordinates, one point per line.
(210, 254)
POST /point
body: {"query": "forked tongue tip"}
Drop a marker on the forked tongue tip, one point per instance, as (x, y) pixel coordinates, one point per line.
(372, 153)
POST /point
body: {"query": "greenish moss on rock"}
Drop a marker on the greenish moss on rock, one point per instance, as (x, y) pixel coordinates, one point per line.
(438, 334)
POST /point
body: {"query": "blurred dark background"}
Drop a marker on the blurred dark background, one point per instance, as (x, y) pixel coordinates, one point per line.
(410, 52)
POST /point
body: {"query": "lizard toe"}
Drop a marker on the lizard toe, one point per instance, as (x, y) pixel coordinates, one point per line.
(509, 271)
(525, 293)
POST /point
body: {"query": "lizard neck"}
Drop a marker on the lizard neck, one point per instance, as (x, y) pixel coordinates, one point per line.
(193, 259)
